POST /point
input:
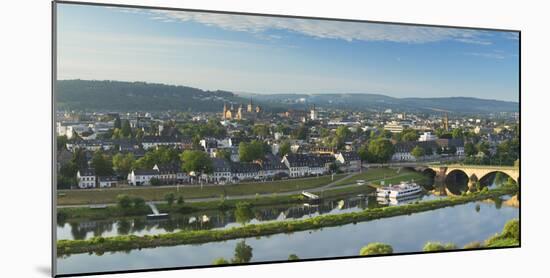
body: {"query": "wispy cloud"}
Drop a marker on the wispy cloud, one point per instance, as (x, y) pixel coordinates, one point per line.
(348, 31)
(488, 55)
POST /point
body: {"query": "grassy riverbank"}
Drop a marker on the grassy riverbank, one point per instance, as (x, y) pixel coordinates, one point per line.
(150, 193)
(376, 176)
(119, 243)
(86, 213)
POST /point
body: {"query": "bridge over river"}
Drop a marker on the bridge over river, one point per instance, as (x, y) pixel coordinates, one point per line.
(442, 171)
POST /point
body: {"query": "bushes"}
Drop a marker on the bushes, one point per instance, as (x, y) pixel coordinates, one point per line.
(124, 201)
(220, 261)
(438, 246)
(155, 182)
(508, 237)
(170, 198)
(473, 245)
(511, 229)
(376, 248)
(293, 257)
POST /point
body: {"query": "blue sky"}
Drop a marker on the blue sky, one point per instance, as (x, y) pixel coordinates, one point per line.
(284, 55)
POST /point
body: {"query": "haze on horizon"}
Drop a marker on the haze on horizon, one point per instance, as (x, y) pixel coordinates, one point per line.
(266, 55)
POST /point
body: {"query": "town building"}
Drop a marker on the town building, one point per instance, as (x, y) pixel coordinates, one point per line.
(142, 177)
(394, 127)
(86, 178)
(107, 181)
(427, 136)
(171, 173)
(348, 161)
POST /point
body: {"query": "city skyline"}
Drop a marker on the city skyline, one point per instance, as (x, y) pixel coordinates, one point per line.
(268, 55)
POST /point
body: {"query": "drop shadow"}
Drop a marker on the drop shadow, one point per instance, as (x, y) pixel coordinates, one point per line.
(45, 270)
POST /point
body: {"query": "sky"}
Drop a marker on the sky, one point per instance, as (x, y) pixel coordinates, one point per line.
(266, 55)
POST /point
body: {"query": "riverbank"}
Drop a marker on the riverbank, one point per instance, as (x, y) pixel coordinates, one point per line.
(509, 237)
(119, 243)
(156, 193)
(87, 213)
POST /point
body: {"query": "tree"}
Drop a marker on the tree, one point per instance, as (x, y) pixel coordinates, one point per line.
(124, 201)
(324, 132)
(417, 152)
(170, 198)
(252, 151)
(123, 162)
(293, 257)
(180, 200)
(336, 142)
(139, 133)
(458, 133)
(243, 212)
(260, 130)
(333, 167)
(117, 123)
(363, 153)
(376, 248)
(138, 202)
(409, 135)
(483, 147)
(380, 150)
(343, 132)
(102, 164)
(300, 133)
(281, 128)
(243, 253)
(470, 149)
(220, 261)
(284, 148)
(62, 142)
(126, 129)
(196, 161)
(223, 154)
(117, 134)
(161, 155)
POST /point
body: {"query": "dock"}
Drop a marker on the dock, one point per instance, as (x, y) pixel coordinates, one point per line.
(310, 196)
(156, 214)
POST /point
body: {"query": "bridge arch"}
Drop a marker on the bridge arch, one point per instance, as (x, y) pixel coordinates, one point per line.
(457, 181)
(496, 176)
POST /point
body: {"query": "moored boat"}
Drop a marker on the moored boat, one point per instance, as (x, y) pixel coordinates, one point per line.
(399, 190)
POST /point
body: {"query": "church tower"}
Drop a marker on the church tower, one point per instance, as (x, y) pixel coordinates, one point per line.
(224, 111)
(240, 112)
(446, 122)
(313, 114)
(249, 108)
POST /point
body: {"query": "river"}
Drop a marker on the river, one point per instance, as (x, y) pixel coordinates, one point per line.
(460, 224)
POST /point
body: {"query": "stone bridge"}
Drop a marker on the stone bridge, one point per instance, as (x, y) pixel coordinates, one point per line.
(473, 172)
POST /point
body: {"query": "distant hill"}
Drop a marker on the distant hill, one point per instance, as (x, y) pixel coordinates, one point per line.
(381, 102)
(94, 95)
(138, 96)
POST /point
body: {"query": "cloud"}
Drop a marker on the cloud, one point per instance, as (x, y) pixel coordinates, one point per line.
(489, 55)
(326, 29)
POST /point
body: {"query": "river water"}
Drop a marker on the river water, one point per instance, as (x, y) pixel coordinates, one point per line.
(459, 224)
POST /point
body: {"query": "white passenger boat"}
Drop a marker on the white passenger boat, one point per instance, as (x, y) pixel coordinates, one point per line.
(399, 190)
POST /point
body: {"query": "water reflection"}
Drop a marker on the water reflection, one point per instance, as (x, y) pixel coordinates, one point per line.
(459, 224)
(215, 219)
